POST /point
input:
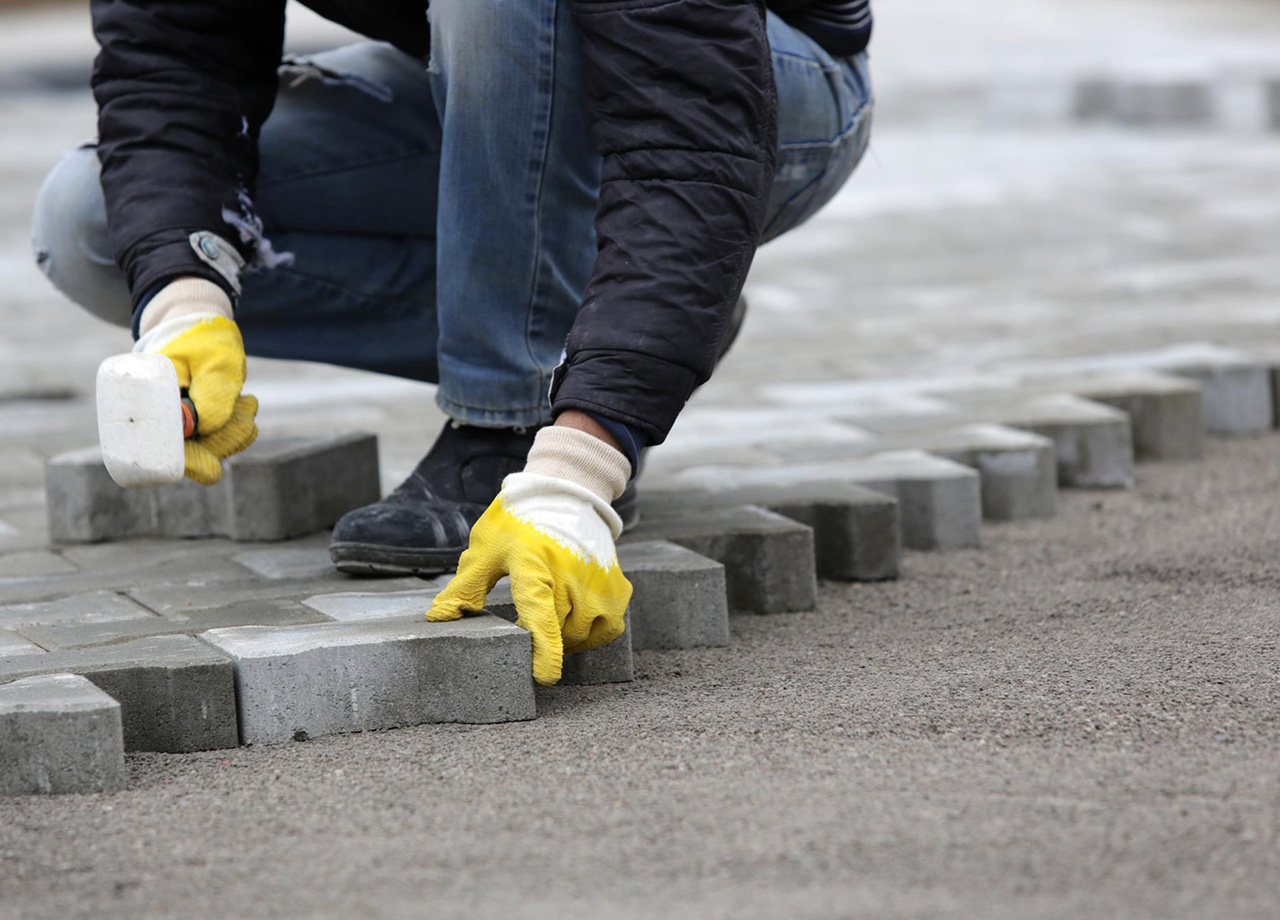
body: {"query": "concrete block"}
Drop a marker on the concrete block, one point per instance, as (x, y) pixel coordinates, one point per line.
(33, 563)
(939, 500)
(279, 488)
(352, 606)
(679, 598)
(59, 734)
(768, 559)
(299, 682)
(92, 608)
(1093, 443)
(1239, 397)
(181, 599)
(1145, 101)
(857, 532)
(288, 562)
(1166, 412)
(12, 645)
(274, 612)
(608, 664)
(175, 693)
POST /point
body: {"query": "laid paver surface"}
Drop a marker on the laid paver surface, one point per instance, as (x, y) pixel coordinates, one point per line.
(1078, 719)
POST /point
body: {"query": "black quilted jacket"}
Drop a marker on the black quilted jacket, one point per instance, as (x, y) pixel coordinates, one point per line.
(683, 108)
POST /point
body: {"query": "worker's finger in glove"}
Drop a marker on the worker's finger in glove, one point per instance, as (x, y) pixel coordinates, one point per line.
(209, 359)
(596, 618)
(536, 610)
(478, 572)
(204, 454)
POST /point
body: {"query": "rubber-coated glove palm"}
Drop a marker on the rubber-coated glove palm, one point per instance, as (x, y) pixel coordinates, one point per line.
(555, 538)
(207, 351)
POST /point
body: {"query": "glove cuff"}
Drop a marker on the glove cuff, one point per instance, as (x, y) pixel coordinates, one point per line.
(580, 458)
(184, 297)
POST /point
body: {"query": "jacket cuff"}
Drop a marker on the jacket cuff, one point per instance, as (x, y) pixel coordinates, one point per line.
(581, 458)
(639, 390)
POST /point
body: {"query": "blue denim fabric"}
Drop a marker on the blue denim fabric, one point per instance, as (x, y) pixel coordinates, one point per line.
(441, 219)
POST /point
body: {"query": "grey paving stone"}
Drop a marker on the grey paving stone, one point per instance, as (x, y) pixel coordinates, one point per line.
(857, 531)
(279, 488)
(12, 645)
(1166, 413)
(292, 486)
(679, 598)
(308, 681)
(1145, 101)
(352, 606)
(176, 694)
(289, 562)
(1239, 398)
(33, 563)
(94, 607)
(768, 558)
(59, 734)
(609, 664)
(270, 612)
(939, 500)
(176, 599)
(23, 528)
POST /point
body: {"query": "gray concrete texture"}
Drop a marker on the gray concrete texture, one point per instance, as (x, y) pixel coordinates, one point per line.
(281, 487)
(299, 682)
(857, 532)
(678, 597)
(59, 734)
(768, 559)
(175, 693)
(1076, 721)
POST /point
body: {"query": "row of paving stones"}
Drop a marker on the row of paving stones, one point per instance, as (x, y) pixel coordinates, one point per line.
(1139, 98)
(212, 643)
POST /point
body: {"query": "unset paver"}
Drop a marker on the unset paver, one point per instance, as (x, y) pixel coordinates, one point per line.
(939, 500)
(306, 681)
(609, 664)
(59, 734)
(176, 694)
(768, 559)
(678, 598)
(1146, 100)
(279, 488)
(1166, 412)
(1018, 471)
(1239, 398)
(857, 531)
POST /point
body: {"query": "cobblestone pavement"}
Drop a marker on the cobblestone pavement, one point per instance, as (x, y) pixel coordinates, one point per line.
(1057, 264)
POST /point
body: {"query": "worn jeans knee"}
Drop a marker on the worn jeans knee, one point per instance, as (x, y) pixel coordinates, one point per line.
(69, 236)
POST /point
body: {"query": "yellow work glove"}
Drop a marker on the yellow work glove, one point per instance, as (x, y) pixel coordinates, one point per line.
(189, 322)
(551, 529)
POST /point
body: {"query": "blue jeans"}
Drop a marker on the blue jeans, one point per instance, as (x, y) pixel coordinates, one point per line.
(442, 220)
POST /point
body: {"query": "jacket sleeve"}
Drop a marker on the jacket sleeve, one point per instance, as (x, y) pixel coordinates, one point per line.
(182, 88)
(683, 106)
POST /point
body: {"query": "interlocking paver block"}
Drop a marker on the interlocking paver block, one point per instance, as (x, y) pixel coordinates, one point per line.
(1166, 412)
(609, 664)
(679, 598)
(182, 599)
(1145, 100)
(12, 645)
(857, 532)
(92, 608)
(279, 488)
(269, 612)
(768, 559)
(350, 606)
(307, 681)
(1093, 443)
(176, 694)
(59, 734)
(1238, 395)
(939, 500)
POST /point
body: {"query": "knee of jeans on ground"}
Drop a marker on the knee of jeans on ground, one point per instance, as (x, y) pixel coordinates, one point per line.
(70, 241)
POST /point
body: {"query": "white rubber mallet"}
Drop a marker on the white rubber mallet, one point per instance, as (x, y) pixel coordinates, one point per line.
(143, 419)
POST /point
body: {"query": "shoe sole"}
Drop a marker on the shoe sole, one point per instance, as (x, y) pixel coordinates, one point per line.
(373, 561)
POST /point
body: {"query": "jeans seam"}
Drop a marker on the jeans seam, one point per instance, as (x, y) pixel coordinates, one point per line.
(543, 153)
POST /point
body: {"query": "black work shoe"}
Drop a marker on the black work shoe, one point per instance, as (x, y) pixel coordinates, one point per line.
(423, 526)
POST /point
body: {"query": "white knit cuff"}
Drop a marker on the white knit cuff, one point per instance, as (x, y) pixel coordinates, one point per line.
(580, 458)
(184, 297)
